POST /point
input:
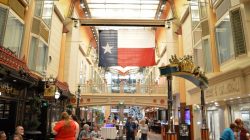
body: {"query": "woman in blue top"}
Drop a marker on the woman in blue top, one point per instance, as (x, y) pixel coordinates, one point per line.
(228, 133)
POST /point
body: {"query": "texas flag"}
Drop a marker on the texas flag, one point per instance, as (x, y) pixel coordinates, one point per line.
(126, 48)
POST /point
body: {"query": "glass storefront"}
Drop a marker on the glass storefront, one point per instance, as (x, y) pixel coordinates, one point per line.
(215, 120)
(242, 111)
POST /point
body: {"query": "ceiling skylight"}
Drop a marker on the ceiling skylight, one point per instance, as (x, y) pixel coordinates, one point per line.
(123, 9)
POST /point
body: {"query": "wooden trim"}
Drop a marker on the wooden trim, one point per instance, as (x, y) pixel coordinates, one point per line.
(58, 13)
(25, 3)
(185, 15)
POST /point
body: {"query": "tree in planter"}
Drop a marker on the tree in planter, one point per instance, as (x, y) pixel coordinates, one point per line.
(34, 112)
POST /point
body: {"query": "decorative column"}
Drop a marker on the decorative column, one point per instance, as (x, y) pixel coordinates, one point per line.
(171, 135)
(204, 129)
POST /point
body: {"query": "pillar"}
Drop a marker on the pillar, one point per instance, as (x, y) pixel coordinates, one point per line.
(29, 12)
(211, 24)
(171, 135)
(204, 129)
(62, 58)
(182, 92)
(182, 87)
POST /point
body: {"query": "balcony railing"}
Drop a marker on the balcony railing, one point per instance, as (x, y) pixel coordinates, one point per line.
(122, 89)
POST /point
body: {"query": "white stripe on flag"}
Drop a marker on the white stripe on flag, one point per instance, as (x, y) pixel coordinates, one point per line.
(136, 38)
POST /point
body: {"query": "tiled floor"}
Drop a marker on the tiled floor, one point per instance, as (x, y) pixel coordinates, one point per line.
(151, 136)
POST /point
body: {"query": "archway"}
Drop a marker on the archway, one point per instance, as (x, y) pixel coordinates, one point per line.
(184, 68)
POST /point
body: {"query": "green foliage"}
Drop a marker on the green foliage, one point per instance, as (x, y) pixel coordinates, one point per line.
(35, 110)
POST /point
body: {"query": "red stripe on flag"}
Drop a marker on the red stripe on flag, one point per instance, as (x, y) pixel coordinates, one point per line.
(136, 57)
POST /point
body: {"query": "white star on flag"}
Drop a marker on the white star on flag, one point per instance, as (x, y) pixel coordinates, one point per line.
(107, 49)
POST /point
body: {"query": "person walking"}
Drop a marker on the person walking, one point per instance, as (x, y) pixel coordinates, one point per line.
(243, 133)
(130, 127)
(143, 130)
(65, 129)
(228, 133)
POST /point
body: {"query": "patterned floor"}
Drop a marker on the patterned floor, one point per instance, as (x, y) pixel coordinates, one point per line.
(151, 136)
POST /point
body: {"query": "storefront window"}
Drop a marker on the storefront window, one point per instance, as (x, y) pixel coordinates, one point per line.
(38, 55)
(215, 121)
(13, 34)
(242, 111)
(3, 16)
(224, 40)
(44, 10)
(11, 31)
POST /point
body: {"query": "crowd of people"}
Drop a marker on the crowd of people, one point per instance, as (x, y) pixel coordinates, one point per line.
(18, 135)
(236, 131)
(69, 128)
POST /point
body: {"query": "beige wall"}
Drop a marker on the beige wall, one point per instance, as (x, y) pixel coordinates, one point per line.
(76, 37)
(71, 58)
(64, 7)
(54, 46)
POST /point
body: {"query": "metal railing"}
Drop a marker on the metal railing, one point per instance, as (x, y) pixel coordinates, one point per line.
(122, 89)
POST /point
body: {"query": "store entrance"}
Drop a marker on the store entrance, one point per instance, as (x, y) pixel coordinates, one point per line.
(213, 124)
(7, 116)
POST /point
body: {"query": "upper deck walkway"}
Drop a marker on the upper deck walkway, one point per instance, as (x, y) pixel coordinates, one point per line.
(139, 95)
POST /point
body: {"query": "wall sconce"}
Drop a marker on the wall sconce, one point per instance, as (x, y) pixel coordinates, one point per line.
(168, 24)
(75, 23)
(57, 95)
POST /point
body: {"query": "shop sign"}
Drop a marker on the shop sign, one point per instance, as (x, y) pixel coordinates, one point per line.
(7, 89)
(50, 91)
(225, 88)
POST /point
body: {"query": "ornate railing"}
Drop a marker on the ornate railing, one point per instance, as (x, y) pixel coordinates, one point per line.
(9, 59)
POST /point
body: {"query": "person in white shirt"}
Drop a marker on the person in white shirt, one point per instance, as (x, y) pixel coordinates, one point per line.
(144, 130)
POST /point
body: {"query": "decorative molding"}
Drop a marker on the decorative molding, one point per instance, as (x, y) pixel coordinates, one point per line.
(225, 89)
(225, 76)
(225, 85)
(110, 99)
